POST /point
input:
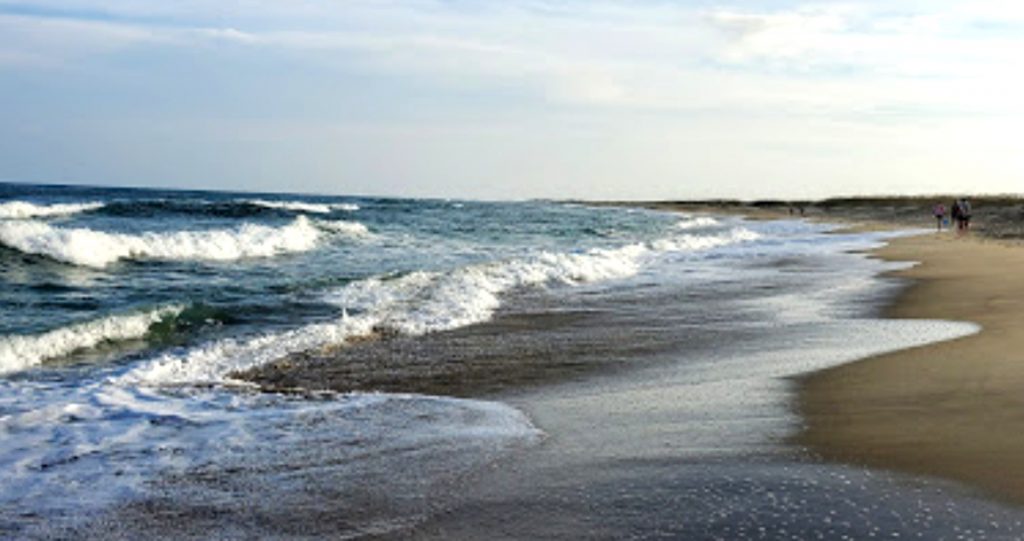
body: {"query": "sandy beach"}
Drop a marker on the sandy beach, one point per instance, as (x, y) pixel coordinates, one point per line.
(952, 410)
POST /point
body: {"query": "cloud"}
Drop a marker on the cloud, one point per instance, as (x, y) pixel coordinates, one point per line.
(812, 58)
(807, 82)
(804, 38)
(34, 41)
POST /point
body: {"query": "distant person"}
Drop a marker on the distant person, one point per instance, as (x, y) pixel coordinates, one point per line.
(939, 211)
(965, 214)
(954, 214)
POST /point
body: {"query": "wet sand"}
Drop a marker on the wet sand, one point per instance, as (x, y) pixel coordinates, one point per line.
(515, 352)
(952, 410)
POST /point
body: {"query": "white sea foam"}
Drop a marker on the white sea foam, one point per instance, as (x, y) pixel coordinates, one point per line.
(302, 206)
(59, 447)
(415, 304)
(697, 222)
(340, 226)
(20, 210)
(213, 362)
(704, 242)
(81, 246)
(316, 208)
(20, 352)
(424, 302)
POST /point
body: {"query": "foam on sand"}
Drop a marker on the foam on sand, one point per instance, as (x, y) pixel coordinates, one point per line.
(20, 210)
(61, 449)
(87, 247)
(21, 352)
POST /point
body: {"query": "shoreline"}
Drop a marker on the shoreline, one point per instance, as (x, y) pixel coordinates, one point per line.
(922, 410)
(631, 449)
(952, 409)
(945, 410)
(949, 410)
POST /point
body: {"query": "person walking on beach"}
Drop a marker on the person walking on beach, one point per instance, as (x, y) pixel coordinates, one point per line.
(965, 214)
(939, 211)
(954, 214)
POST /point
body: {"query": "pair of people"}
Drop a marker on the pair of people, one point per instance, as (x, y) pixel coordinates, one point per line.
(960, 212)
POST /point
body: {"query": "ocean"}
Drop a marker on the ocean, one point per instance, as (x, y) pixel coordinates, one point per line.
(223, 365)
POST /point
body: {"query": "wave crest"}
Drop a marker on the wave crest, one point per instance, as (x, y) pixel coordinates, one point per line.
(20, 210)
(347, 228)
(301, 206)
(697, 222)
(81, 246)
(20, 352)
(415, 304)
(423, 302)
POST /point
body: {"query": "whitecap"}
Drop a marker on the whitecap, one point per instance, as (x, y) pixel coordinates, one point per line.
(215, 361)
(20, 210)
(303, 206)
(414, 304)
(697, 222)
(19, 352)
(340, 226)
(704, 242)
(87, 247)
(423, 302)
(299, 206)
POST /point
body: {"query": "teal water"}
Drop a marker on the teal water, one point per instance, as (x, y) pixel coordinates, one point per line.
(124, 315)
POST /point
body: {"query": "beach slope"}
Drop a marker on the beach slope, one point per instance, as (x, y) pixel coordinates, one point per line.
(954, 409)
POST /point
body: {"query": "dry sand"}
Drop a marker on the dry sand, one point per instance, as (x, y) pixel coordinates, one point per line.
(953, 410)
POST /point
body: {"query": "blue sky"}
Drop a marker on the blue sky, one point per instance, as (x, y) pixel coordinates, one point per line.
(541, 98)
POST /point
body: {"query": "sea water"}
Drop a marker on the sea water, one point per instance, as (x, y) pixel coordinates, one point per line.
(127, 316)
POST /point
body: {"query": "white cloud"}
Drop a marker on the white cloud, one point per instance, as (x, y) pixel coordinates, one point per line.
(815, 57)
(797, 90)
(34, 41)
(653, 55)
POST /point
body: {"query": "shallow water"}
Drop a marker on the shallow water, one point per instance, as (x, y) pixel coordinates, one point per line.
(608, 360)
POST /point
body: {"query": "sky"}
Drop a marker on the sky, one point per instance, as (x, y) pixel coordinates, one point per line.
(482, 99)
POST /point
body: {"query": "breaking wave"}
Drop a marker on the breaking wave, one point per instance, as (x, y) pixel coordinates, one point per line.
(232, 208)
(423, 302)
(348, 228)
(87, 247)
(299, 206)
(416, 303)
(697, 222)
(703, 242)
(20, 210)
(22, 352)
